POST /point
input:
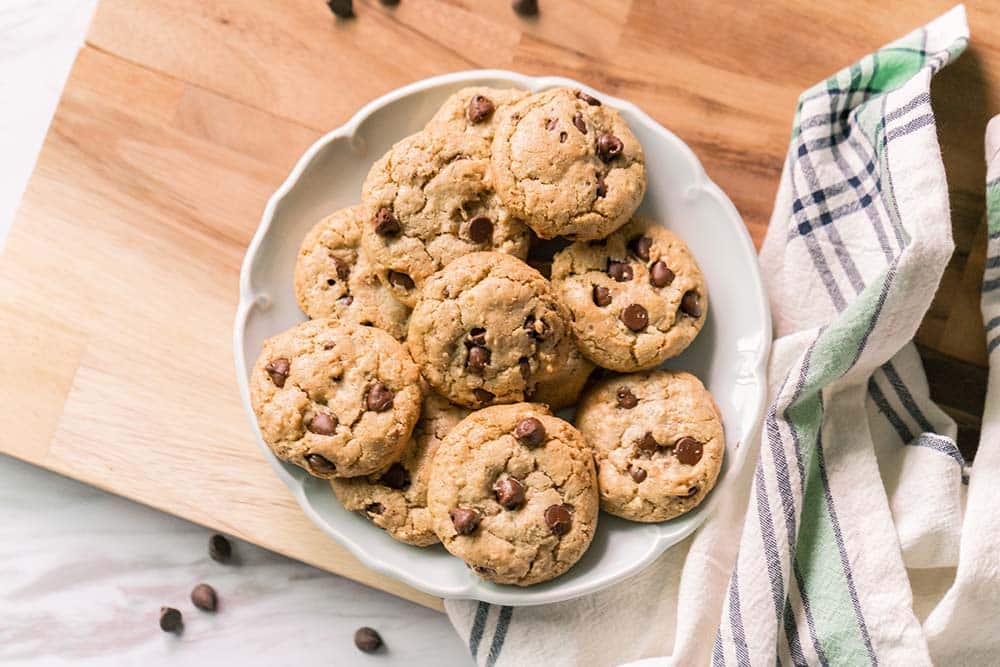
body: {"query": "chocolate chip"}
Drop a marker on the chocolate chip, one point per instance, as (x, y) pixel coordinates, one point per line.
(477, 336)
(400, 280)
(648, 443)
(341, 8)
(640, 245)
(346, 300)
(483, 571)
(483, 396)
(479, 359)
(660, 275)
(278, 370)
(321, 464)
(558, 519)
(509, 493)
(691, 304)
(601, 296)
(203, 596)
(537, 329)
(609, 147)
(525, 7)
(380, 397)
(693, 490)
(626, 399)
(367, 640)
(375, 508)
(563, 137)
(386, 223)
(524, 366)
(530, 432)
(389, 3)
(688, 451)
(634, 317)
(551, 124)
(637, 474)
(480, 108)
(219, 549)
(620, 271)
(466, 520)
(342, 268)
(395, 477)
(602, 187)
(322, 424)
(480, 229)
(170, 620)
(579, 122)
(589, 99)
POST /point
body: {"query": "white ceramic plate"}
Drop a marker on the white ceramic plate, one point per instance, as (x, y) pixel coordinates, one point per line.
(730, 354)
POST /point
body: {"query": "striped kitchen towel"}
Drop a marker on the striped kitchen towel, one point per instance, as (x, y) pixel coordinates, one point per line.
(838, 546)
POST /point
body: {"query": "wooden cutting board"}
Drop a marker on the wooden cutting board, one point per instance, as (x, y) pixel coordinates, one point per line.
(118, 284)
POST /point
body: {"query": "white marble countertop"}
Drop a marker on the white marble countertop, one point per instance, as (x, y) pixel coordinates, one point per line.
(83, 573)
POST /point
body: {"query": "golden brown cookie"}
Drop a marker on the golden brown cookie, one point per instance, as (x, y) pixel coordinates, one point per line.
(658, 442)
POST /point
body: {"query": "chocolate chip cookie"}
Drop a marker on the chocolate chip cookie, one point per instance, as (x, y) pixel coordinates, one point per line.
(563, 388)
(333, 277)
(658, 442)
(430, 200)
(339, 400)
(475, 110)
(396, 498)
(513, 493)
(488, 328)
(638, 298)
(567, 165)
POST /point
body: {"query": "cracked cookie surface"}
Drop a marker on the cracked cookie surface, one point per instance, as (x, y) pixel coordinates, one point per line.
(338, 400)
(658, 442)
(567, 165)
(488, 328)
(430, 200)
(638, 298)
(334, 278)
(513, 493)
(396, 498)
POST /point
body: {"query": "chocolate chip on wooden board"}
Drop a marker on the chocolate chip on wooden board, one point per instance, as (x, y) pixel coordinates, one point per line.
(219, 549)
(525, 7)
(204, 597)
(343, 9)
(367, 640)
(171, 620)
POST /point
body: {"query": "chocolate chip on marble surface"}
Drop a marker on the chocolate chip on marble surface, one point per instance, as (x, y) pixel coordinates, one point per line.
(480, 108)
(320, 463)
(691, 304)
(558, 519)
(626, 399)
(322, 423)
(380, 397)
(278, 370)
(525, 7)
(530, 432)
(219, 549)
(601, 296)
(367, 640)
(386, 223)
(171, 620)
(396, 477)
(660, 275)
(589, 99)
(341, 8)
(466, 520)
(620, 271)
(688, 451)
(480, 229)
(204, 597)
(634, 317)
(609, 147)
(509, 493)
(400, 280)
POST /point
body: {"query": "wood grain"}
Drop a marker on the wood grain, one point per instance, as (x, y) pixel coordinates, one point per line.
(119, 281)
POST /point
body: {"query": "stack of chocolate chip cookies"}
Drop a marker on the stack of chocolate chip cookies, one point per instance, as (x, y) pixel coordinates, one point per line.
(424, 384)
